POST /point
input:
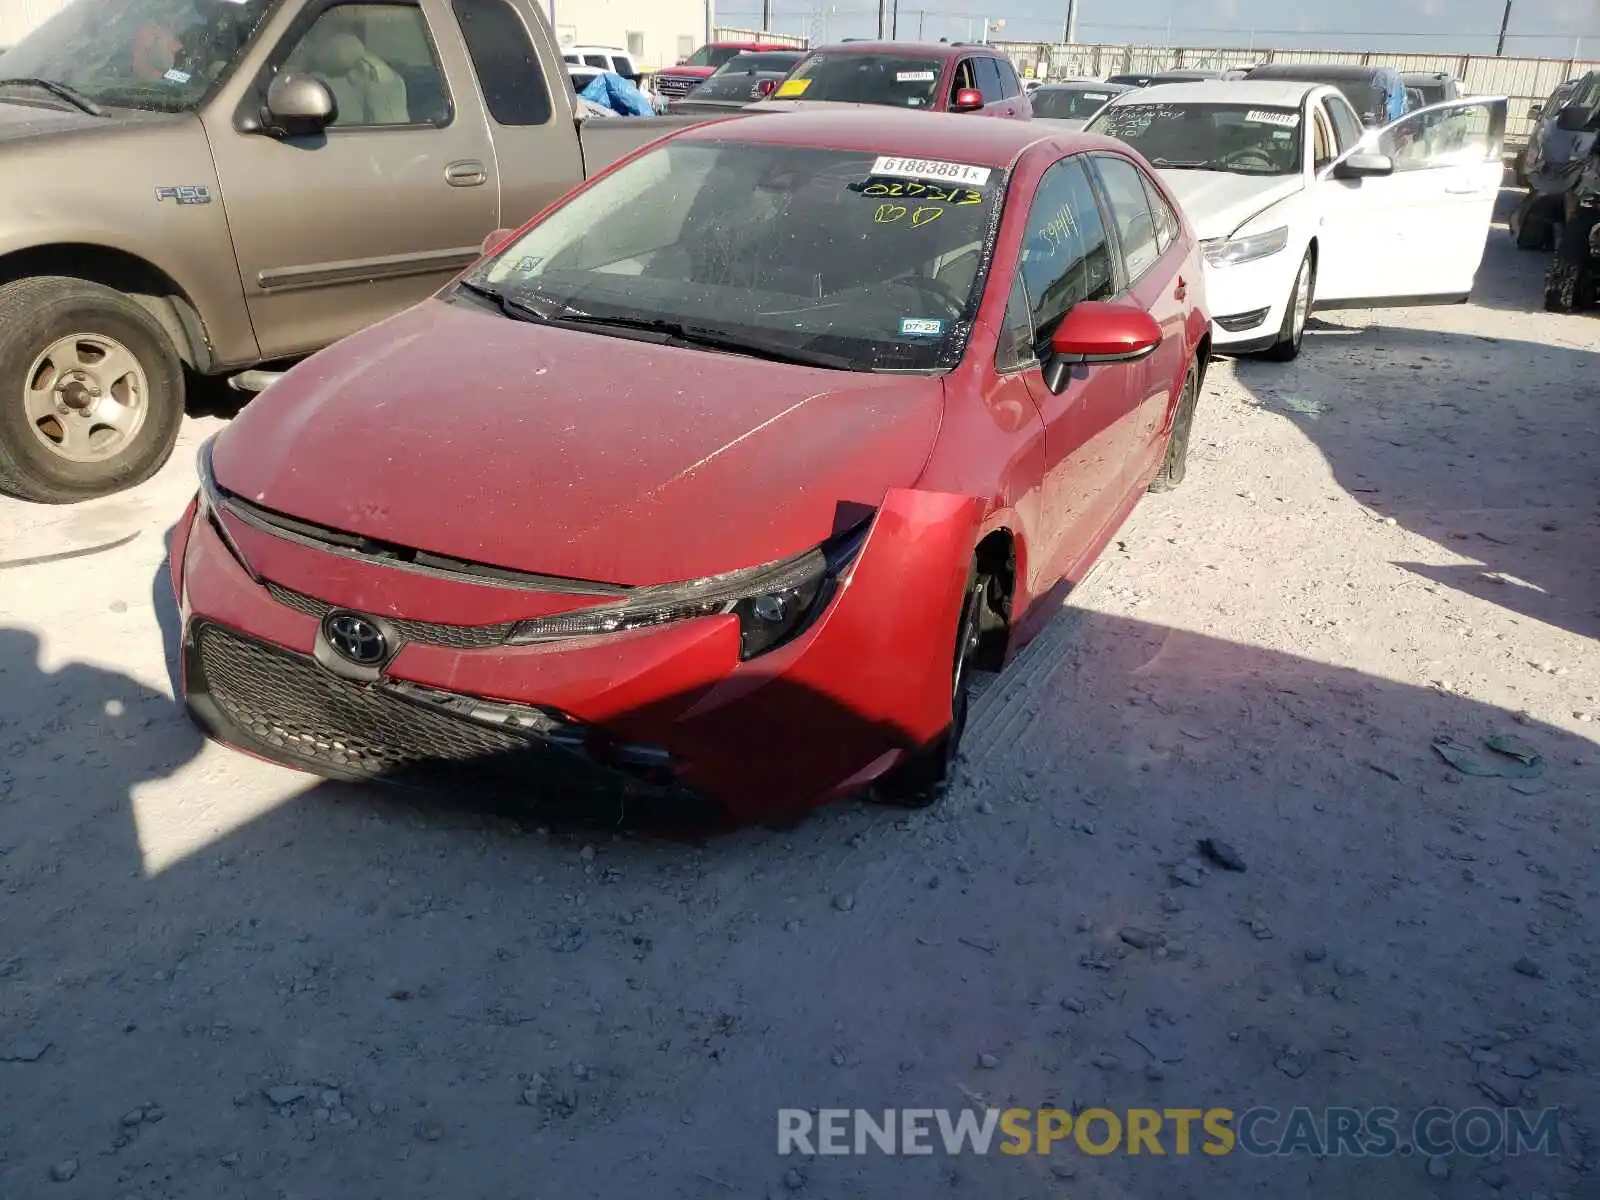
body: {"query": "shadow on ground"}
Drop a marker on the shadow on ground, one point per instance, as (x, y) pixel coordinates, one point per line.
(486, 1003)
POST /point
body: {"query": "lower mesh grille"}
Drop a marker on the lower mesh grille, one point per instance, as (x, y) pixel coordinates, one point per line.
(294, 706)
(430, 633)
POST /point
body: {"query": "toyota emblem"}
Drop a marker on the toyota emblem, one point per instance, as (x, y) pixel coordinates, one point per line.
(356, 638)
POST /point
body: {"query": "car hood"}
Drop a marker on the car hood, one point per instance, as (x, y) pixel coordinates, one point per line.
(1064, 124)
(27, 120)
(1219, 202)
(464, 433)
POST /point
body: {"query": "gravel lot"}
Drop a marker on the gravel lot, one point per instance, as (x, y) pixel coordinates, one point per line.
(219, 978)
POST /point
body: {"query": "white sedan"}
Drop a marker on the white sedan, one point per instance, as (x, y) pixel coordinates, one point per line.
(1297, 206)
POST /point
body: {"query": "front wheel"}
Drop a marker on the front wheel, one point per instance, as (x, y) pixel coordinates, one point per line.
(1295, 314)
(924, 777)
(1176, 463)
(91, 391)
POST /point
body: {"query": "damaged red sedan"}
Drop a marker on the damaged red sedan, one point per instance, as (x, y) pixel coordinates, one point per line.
(718, 479)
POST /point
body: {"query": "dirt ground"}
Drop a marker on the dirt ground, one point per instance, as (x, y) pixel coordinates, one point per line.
(219, 978)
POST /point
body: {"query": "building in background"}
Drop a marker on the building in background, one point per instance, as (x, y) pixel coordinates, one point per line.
(655, 33)
(19, 17)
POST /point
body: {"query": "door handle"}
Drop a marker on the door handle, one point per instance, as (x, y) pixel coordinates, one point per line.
(1182, 290)
(466, 173)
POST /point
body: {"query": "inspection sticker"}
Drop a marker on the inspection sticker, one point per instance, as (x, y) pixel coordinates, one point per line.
(792, 87)
(1265, 116)
(920, 327)
(914, 76)
(176, 76)
(1097, 96)
(923, 168)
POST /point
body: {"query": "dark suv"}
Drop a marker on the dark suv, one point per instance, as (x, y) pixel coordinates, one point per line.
(937, 77)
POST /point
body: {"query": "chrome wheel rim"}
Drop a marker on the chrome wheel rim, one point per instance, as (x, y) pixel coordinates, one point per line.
(1302, 302)
(86, 397)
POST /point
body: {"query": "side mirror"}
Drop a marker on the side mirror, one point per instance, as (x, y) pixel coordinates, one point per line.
(496, 239)
(765, 88)
(1535, 112)
(1094, 331)
(299, 106)
(967, 100)
(1364, 164)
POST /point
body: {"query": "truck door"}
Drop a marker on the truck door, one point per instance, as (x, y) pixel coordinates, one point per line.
(337, 231)
(540, 158)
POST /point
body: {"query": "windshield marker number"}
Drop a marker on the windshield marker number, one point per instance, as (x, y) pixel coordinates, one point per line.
(185, 193)
(1261, 116)
(923, 168)
(921, 191)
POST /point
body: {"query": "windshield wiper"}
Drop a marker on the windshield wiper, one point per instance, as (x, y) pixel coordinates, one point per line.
(61, 91)
(713, 339)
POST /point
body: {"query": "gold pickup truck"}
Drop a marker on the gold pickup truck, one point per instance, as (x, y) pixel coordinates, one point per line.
(211, 187)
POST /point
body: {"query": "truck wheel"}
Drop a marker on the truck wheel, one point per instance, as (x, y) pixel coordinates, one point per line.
(91, 391)
(1571, 284)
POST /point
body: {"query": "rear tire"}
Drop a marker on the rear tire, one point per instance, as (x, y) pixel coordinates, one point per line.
(1531, 226)
(91, 391)
(922, 780)
(1176, 463)
(1295, 314)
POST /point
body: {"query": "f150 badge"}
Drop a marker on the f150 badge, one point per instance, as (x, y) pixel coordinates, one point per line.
(185, 193)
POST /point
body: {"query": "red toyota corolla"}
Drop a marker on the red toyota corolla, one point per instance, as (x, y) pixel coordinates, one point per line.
(714, 480)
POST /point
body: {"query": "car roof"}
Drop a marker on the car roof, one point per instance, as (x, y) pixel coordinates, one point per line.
(1319, 71)
(942, 137)
(1085, 85)
(911, 49)
(1280, 94)
(595, 50)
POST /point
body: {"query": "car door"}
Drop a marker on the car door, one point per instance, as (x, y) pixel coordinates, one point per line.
(335, 232)
(1069, 255)
(1418, 233)
(1152, 270)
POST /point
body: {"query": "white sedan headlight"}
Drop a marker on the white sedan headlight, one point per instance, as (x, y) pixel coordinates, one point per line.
(1230, 252)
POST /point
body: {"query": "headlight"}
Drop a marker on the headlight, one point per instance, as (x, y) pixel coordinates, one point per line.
(774, 603)
(1230, 252)
(212, 502)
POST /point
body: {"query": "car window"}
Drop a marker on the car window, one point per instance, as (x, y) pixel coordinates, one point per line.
(1167, 224)
(1453, 137)
(1323, 152)
(833, 252)
(506, 63)
(1242, 139)
(379, 63)
(1066, 253)
(964, 78)
(1015, 349)
(1010, 85)
(895, 80)
(1130, 210)
(597, 60)
(1068, 103)
(989, 80)
(1347, 127)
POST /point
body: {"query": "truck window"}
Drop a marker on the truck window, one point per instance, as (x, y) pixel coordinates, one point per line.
(507, 64)
(379, 62)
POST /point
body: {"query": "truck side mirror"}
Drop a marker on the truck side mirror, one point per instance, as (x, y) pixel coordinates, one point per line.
(299, 106)
(1535, 111)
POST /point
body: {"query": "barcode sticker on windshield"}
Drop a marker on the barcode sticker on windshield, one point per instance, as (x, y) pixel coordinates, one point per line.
(914, 76)
(1265, 116)
(1096, 96)
(923, 168)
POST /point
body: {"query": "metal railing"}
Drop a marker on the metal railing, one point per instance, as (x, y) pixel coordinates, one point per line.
(727, 33)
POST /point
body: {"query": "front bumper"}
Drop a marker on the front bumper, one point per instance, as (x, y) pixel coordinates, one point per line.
(669, 713)
(1247, 301)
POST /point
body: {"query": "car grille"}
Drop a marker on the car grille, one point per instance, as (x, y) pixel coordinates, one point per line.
(292, 705)
(431, 633)
(675, 85)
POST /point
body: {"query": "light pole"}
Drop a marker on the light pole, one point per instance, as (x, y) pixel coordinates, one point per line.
(1069, 32)
(1505, 20)
(766, 16)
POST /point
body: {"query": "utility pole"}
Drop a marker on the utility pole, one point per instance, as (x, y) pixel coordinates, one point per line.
(894, 20)
(882, 14)
(1505, 20)
(766, 16)
(1069, 32)
(921, 13)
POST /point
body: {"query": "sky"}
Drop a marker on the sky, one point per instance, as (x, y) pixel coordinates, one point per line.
(1538, 28)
